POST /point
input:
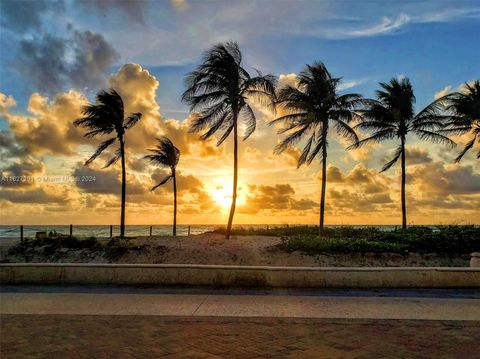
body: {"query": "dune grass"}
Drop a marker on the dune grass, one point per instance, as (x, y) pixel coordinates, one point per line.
(451, 240)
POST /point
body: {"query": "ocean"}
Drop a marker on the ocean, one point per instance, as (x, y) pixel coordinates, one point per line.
(103, 231)
(137, 230)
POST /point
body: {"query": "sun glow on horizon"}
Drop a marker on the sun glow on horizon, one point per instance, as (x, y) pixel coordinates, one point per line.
(222, 195)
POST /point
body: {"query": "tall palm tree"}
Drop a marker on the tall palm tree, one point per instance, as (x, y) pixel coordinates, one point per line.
(312, 107)
(105, 117)
(219, 89)
(392, 116)
(167, 155)
(465, 110)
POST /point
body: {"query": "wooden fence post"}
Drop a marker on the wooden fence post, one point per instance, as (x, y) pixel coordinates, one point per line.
(71, 230)
(150, 231)
(21, 233)
(189, 231)
(111, 231)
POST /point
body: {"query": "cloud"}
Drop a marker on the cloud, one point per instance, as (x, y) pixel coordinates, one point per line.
(138, 88)
(6, 102)
(445, 91)
(52, 63)
(416, 155)
(132, 9)
(104, 181)
(32, 196)
(27, 167)
(48, 127)
(345, 85)
(334, 175)
(347, 201)
(193, 198)
(386, 26)
(451, 14)
(289, 157)
(277, 198)
(8, 146)
(445, 179)
(27, 14)
(179, 4)
(23, 170)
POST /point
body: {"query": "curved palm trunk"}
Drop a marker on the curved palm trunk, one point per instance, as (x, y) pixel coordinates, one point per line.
(235, 176)
(124, 188)
(324, 181)
(174, 203)
(404, 206)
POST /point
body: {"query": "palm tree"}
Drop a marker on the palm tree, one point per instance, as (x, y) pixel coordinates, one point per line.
(392, 116)
(167, 155)
(312, 106)
(219, 89)
(465, 110)
(106, 117)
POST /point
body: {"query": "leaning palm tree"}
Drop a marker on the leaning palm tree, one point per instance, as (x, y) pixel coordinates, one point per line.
(465, 110)
(106, 117)
(312, 107)
(392, 116)
(167, 155)
(220, 89)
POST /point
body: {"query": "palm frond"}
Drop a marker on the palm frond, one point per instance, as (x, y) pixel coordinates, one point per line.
(250, 120)
(102, 147)
(467, 147)
(291, 139)
(132, 120)
(165, 154)
(377, 137)
(396, 156)
(219, 88)
(226, 133)
(435, 137)
(162, 182)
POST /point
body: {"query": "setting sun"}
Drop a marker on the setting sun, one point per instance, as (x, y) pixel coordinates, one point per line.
(222, 195)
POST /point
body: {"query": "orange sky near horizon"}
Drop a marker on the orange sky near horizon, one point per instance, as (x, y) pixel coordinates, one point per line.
(271, 189)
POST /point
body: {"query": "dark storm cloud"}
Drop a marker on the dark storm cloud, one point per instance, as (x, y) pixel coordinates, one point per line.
(25, 15)
(52, 63)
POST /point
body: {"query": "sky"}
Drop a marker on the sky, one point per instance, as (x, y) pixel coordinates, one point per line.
(56, 55)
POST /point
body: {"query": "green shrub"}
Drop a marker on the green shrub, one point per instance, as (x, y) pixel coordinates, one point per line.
(454, 239)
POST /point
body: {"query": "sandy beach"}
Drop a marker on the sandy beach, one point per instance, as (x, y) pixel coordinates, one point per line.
(212, 248)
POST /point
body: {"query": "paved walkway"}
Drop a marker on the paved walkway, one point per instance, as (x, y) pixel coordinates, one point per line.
(70, 336)
(45, 324)
(240, 306)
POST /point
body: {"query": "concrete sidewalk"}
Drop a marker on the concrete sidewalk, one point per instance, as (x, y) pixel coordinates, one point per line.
(217, 305)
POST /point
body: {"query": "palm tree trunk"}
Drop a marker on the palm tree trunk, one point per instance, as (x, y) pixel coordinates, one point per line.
(124, 187)
(324, 180)
(235, 176)
(174, 203)
(404, 206)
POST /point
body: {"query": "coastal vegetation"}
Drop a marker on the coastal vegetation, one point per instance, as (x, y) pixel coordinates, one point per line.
(107, 117)
(465, 110)
(312, 106)
(220, 93)
(285, 246)
(220, 89)
(454, 239)
(392, 116)
(167, 155)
